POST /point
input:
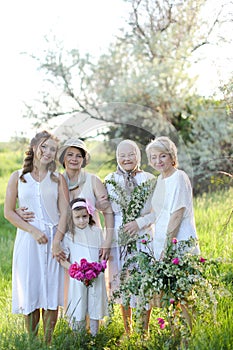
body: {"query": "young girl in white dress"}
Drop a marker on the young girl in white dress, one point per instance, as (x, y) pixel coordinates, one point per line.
(84, 241)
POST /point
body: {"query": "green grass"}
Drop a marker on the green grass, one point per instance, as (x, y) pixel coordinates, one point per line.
(212, 331)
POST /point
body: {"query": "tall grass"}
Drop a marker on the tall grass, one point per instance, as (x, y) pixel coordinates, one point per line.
(213, 331)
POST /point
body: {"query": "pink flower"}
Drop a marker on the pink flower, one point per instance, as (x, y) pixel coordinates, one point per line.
(174, 240)
(86, 271)
(172, 301)
(161, 323)
(104, 264)
(90, 274)
(175, 261)
(143, 241)
(202, 260)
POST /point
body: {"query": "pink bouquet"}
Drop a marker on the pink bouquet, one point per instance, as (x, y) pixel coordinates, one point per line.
(86, 272)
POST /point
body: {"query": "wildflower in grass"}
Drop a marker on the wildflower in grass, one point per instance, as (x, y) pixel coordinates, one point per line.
(174, 240)
(202, 260)
(172, 301)
(176, 261)
(161, 322)
(143, 241)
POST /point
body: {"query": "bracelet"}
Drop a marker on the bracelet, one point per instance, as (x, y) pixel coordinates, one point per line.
(60, 231)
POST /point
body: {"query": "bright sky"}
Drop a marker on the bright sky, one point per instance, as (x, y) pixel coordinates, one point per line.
(85, 24)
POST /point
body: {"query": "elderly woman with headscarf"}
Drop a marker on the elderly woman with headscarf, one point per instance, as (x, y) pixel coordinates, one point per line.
(120, 186)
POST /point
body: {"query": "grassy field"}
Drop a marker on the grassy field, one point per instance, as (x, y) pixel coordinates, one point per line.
(213, 330)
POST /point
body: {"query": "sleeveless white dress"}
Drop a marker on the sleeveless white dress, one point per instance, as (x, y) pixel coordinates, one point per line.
(37, 278)
(84, 300)
(116, 261)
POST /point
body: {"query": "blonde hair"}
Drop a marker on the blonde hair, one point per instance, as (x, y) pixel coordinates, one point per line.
(164, 144)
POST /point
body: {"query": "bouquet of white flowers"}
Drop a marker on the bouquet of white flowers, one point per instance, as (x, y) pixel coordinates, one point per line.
(130, 206)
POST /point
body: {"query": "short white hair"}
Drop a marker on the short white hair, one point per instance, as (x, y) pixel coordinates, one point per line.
(164, 144)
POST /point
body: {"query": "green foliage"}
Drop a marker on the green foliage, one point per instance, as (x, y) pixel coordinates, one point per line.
(211, 148)
(178, 280)
(142, 85)
(146, 66)
(12, 160)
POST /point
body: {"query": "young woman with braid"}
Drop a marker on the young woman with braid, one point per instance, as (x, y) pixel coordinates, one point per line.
(37, 276)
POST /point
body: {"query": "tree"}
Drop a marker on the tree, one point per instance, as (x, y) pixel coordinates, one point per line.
(141, 84)
(211, 147)
(147, 66)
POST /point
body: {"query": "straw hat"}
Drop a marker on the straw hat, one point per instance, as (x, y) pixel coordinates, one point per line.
(74, 142)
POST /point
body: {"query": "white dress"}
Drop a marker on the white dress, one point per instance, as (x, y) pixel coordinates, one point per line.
(84, 300)
(85, 191)
(173, 193)
(37, 278)
(116, 261)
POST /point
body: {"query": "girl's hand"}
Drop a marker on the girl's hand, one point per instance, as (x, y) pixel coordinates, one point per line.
(57, 251)
(66, 264)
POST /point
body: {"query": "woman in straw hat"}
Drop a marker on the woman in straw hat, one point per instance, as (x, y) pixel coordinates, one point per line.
(74, 156)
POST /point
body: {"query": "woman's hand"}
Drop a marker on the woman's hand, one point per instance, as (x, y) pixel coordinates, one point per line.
(131, 227)
(25, 214)
(40, 237)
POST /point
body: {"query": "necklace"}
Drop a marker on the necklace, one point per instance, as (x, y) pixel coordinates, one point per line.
(76, 184)
(73, 186)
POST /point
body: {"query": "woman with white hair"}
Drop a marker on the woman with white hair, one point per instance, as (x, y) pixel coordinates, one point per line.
(120, 186)
(172, 200)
